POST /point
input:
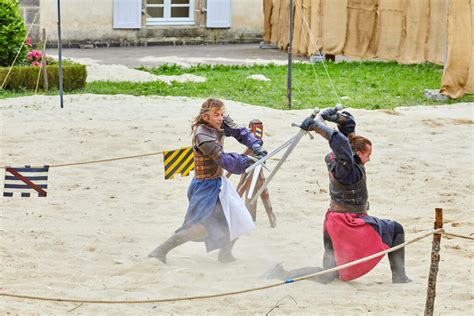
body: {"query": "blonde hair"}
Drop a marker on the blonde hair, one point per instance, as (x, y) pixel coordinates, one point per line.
(207, 107)
(358, 143)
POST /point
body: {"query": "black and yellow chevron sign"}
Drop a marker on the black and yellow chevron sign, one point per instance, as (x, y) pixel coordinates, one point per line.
(178, 161)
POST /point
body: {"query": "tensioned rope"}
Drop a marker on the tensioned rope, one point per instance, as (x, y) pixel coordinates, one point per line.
(307, 42)
(298, 6)
(458, 236)
(106, 160)
(101, 160)
(198, 297)
(21, 47)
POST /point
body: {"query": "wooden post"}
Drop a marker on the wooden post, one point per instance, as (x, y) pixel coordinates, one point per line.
(431, 294)
(45, 73)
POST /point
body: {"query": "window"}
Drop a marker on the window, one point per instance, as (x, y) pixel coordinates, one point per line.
(170, 12)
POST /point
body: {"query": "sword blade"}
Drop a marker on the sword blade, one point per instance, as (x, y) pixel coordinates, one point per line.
(292, 146)
(273, 153)
(256, 174)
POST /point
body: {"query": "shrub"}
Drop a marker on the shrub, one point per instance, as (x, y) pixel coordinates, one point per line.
(25, 77)
(12, 33)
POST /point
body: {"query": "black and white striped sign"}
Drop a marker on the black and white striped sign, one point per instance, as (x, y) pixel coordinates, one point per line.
(26, 181)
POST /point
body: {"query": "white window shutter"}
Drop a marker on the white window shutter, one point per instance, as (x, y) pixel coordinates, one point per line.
(127, 14)
(219, 13)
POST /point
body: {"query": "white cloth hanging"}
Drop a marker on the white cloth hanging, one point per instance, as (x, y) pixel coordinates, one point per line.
(238, 217)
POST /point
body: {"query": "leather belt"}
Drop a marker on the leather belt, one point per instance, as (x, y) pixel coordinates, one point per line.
(339, 208)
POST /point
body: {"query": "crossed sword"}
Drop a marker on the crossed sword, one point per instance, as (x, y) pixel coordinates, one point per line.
(290, 145)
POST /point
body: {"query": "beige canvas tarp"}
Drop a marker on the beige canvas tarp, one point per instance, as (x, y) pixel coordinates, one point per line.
(457, 78)
(408, 31)
(267, 25)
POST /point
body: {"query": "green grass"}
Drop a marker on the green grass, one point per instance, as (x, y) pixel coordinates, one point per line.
(369, 85)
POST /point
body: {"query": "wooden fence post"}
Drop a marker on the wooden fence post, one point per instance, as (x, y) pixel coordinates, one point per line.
(431, 293)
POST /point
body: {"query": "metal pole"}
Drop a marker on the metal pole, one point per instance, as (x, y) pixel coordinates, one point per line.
(290, 58)
(436, 246)
(60, 55)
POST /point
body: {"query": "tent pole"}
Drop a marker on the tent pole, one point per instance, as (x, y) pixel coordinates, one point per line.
(290, 58)
(60, 55)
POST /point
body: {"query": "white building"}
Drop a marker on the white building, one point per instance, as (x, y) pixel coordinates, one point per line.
(145, 22)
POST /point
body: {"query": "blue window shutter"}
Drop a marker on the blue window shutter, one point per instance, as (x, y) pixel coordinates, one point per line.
(127, 14)
(219, 14)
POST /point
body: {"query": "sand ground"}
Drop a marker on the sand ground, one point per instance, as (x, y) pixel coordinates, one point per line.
(90, 237)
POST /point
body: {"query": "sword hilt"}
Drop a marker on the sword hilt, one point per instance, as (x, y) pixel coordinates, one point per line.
(313, 115)
(339, 107)
(315, 112)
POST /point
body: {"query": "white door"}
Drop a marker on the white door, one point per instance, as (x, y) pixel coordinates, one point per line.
(219, 14)
(127, 14)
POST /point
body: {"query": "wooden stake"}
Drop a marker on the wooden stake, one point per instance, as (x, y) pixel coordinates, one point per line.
(431, 293)
(45, 73)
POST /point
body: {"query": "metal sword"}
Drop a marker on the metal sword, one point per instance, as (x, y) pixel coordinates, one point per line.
(291, 144)
(256, 174)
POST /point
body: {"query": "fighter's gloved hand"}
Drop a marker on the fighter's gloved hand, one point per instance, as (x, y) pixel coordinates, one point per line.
(250, 161)
(258, 151)
(346, 123)
(308, 123)
(330, 115)
(317, 125)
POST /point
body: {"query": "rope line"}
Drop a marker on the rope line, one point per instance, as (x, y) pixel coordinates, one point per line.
(104, 160)
(352, 263)
(101, 160)
(298, 5)
(308, 43)
(199, 297)
(111, 159)
(19, 51)
(459, 236)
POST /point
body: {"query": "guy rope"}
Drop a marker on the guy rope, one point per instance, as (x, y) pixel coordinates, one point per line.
(291, 143)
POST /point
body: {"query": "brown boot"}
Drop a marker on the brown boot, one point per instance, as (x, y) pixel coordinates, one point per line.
(196, 232)
(225, 254)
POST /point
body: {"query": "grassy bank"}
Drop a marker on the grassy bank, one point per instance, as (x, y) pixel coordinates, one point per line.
(370, 85)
